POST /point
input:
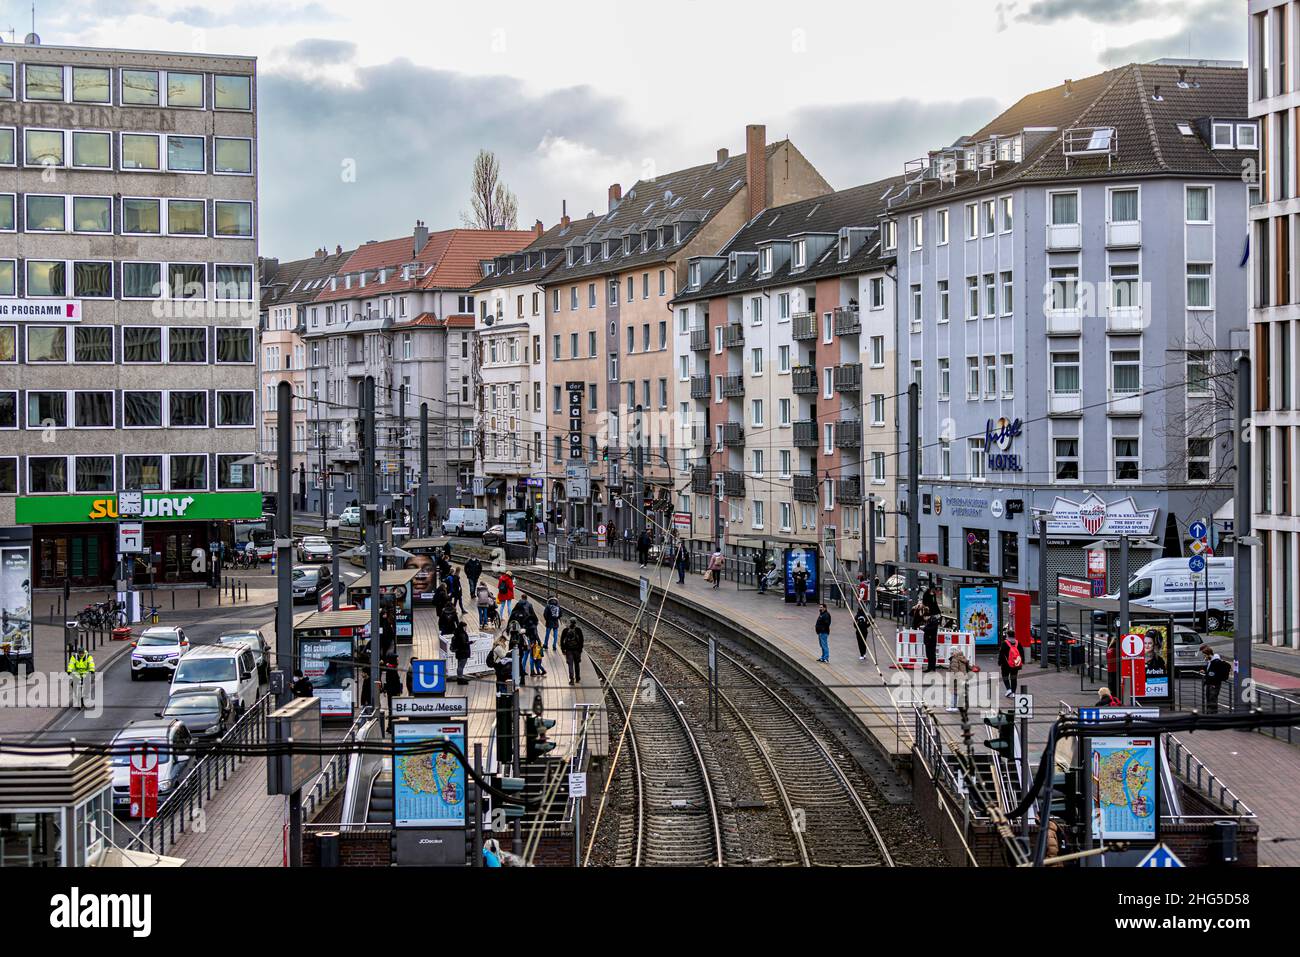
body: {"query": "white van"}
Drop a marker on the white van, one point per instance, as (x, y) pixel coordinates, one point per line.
(465, 521)
(1169, 585)
(229, 667)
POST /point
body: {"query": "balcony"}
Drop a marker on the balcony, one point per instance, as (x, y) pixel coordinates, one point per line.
(1123, 403)
(699, 340)
(1124, 319)
(803, 325)
(848, 377)
(1064, 237)
(733, 484)
(803, 380)
(1065, 403)
(848, 435)
(1123, 235)
(701, 480)
(805, 487)
(805, 434)
(848, 321)
(733, 335)
(733, 434)
(733, 385)
(357, 368)
(699, 387)
(345, 453)
(1064, 322)
(848, 491)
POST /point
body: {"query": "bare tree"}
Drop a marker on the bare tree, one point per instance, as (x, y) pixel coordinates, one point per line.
(1201, 442)
(492, 204)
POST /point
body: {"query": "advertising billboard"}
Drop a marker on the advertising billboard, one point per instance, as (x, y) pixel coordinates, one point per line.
(16, 602)
(807, 558)
(1124, 783)
(979, 612)
(428, 788)
(328, 664)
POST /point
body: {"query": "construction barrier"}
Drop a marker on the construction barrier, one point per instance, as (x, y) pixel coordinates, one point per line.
(911, 647)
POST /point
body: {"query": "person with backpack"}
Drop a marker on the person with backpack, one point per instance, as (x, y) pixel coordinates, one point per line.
(506, 594)
(473, 569)
(486, 603)
(823, 628)
(551, 618)
(571, 646)
(1010, 661)
(930, 636)
(716, 566)
(447, 620)
(862, 631)
(800, 577)
(1216, 672)
(460, 647)
(535, 654)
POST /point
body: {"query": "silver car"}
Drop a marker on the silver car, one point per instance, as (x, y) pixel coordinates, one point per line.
(256, 641)
(158, 649)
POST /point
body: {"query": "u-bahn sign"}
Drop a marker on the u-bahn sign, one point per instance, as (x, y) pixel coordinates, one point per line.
(1096, 518)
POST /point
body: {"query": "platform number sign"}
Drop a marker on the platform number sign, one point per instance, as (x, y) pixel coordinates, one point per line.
(1024, 705)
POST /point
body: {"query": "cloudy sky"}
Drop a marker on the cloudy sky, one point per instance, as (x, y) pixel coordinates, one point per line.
(371, 113)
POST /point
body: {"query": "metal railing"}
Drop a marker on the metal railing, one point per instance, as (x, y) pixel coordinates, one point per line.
(335, 772)
(1272, 702)
(1201, 779)
(183, 806)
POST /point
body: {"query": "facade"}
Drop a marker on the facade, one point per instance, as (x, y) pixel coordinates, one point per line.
(609, 321)
(510, 389)
(1274, 95)
(401, 310)
(1070, 299)
(128, 193)
(785, 344)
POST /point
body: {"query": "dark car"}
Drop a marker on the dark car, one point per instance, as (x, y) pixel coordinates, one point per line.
(1057, 636)
(255, 640)
(206, 712)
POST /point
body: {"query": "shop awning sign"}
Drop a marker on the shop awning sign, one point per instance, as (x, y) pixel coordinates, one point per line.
(155, 506)
(1094, 517)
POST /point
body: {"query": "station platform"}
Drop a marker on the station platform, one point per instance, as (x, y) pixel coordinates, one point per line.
(1261, 770)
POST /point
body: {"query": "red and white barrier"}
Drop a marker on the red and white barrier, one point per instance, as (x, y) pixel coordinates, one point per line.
(911, 647)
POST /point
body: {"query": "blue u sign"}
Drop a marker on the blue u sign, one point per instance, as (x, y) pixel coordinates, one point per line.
(428, 676)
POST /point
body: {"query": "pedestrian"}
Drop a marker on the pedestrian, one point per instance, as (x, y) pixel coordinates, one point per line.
(486, 603)
(642, 547)
(440, 597)
(930, 635)
(392, 680)
(535, 654)
(1216, 672)
(681, 561)
(387, 630)
(760, 571)
(444, 568)
(823, 628)
(571, 646)
(551, 618)
(1106, 698)
(518, 644)
(864, 592)
(473, 569)
(460, 647)
(800, 576)
(1010, 661)
(716, 565)
(454, 590)
(498, 659)
(447, 620)
(862, 631)
(506, 594)
(959, 666)
(930, 599)
(301, 686)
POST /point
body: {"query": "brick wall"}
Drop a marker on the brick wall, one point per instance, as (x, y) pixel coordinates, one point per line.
(370, 848)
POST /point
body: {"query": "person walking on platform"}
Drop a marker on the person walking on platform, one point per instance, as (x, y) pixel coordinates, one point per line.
(642, 547)
(440, 597)
(447, 620)
(473, 569)
(535, 654)
(823, 627)
(301, 686)
(716, 566)
(460, 648)
(571, 646)
(483, 598)
(800, 576)
(392, 680)
(930, 635)
(454, 591)
(506, 595)
(1010, 661)
(681, 561)
(862, 631)
(1216, 672)
(551, 618)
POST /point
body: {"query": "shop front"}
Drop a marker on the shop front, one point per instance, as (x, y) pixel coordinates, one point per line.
(75, 537)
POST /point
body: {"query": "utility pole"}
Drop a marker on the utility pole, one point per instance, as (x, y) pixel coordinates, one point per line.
(638, 472)
(870, 566)
(324, 483)
(1042, 587)
(422, 507)
(1241, 530)
(284, 539)
(371, 510)
(1123, 584)
(913, 483)
(401, 451)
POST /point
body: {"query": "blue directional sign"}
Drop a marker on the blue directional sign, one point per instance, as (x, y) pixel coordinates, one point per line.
(428, 676)
(1197, 529)
(1196, 563)
(1160, 856)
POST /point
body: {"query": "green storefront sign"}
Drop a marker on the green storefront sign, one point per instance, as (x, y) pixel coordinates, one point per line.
(155, 507)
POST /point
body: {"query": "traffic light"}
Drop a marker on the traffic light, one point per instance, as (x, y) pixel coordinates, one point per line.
(1004, 744)
(512, 808)
(535, 729)
(604, 454)
(1067, 796)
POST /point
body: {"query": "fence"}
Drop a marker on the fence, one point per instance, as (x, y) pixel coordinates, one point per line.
(1271, 702)
(335, 771)
(183, 805)
(1197, 776)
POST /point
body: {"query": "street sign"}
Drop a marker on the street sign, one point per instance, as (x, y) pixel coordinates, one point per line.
(476, 484)
(130, 537)
(550, 552)
(144, 781)
(601, 529)
(437, 708)
(645, 589)
(577, 784)
(1098, 715)
(1132, 646)
(402, 530)
(1160, 856)
(1198, 546)
(130, 504)
(1024, 705)
(1197, 530)
(1196, 563)
(428, 676)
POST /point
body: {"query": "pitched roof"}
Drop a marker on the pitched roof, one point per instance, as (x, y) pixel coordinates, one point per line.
(554, 239)
(691, 195)
(457, 265)
(1143, 103)
(858, 206)
(300, 280)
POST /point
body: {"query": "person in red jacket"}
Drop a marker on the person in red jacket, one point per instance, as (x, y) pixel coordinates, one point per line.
(1010, 661)
(505, 594)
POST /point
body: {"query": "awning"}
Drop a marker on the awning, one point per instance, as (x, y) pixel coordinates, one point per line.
(1111, 606)
(945, 571)
(331, 620)
(387, 579)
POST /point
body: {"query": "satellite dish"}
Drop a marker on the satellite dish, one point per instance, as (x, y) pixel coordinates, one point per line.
(32, 40)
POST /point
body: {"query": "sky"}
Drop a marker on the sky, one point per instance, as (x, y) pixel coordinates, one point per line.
(370, 114)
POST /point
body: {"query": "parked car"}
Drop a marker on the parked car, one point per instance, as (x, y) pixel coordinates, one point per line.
(1167, 584)
(496, 535)
(229, 667)
(261, 650)
(314, 548)
(1057, 637)
(465, 521)
(351, 516)
(170, 737)
(1187, 649)
(206, 712)
(309, 580)
(157, 650)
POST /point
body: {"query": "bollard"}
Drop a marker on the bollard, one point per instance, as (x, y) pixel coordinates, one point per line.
(173, 599)
(328, 844)
(245, 591)
(198, 598)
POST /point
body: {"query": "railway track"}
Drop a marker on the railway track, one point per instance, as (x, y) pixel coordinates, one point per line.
(817, 787)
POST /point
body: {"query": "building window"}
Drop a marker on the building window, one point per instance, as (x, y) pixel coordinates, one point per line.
(1008, 294)
(1065, 458)
(877, 292)
(1010, 545)
(1198, 459)
(941, 227)
(1126, 460)
(945, 459)
(972, 297)
(877, 352)
(1124, 205)
(975, 451)
(783, 359)
(972, 377)
(1064, 286)
(945, 378)
(1005, 213)
(943, 300)
(1064, 208)
(878, 409)
(1198, 204)
(1199, 286)
(1125, 372)
(1198, 372)
(1008, 376)
(1065, 373)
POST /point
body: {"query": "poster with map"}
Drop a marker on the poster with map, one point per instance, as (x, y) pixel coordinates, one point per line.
(1125, 788)
(429, 789)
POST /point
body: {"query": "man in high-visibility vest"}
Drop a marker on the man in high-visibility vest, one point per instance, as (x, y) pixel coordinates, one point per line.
(81, 666)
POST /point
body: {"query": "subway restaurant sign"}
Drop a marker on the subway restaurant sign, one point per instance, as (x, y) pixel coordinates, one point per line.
(157, 506)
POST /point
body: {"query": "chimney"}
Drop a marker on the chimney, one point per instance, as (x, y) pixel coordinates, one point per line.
(615, 194)
(538, 229)
(338, 250)
(320, 253)
(421, 236)
(756, 167)
(564, 212)
(723, 156)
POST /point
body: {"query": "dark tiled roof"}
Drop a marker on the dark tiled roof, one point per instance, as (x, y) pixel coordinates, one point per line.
(553, 239)
(1149, 142)
(859, 206)
(296, 281)
(697, 193)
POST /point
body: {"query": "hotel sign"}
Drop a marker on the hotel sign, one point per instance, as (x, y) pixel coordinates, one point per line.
(56, 310)
(998, 435)
(1095, 518)
(156, 506)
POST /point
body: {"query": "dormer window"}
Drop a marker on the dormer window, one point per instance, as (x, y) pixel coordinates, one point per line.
(693, 275)
(891, 234)
(679, 232)
(765, 260)
(665, 236)
(383, 276)
(1246, 136)
(733, 267)
(572, 257)
(627, 245)
(1222, 136)
(609, 248)
(845, 247)
(800, 253)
